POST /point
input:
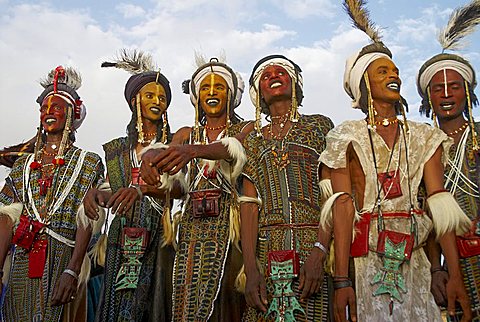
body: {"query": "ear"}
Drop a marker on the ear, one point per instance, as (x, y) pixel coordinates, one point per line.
(132, 102)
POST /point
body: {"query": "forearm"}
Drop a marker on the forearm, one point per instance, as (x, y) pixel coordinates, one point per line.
(449, 248)
(213, 151)
(6, 234)
(433, 251)
(343, 216)
(82, 238)
(249, 235)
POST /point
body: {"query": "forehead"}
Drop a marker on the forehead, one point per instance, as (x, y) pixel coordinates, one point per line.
(452, 76)
(382, 63)
(52, 99)
(273, 68)
(152, 87)
(217, 79)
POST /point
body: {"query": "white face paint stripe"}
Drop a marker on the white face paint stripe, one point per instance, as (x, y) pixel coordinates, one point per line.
(445, 81)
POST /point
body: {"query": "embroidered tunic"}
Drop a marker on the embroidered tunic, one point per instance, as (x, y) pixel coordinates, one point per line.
(467, 196)
(421, 143)
(28, 299)
(206, 262)
(151, 299)
(286, 176)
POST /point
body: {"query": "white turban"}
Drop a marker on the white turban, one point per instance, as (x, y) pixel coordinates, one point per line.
(227, 74)
(426, 76)
(354, 70)
(276, 61)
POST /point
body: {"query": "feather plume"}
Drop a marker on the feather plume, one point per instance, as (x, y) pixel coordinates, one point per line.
(360, 17)
(133, 61)
(72, 78)
(200, 59)
(462, 22)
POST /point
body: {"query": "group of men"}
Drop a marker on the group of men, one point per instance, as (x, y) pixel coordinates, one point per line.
(296, 220)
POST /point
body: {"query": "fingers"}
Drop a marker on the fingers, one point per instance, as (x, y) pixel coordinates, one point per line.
(122, 200)
(467, 311)
(352, 305)
(149, 174)
(263, 295)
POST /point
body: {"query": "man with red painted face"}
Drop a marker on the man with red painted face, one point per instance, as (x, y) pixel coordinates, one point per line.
(283, 248)
(446, 82)
(376, 165)
(41, 212)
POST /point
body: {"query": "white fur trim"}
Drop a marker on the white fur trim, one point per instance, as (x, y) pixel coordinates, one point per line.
(237, 152)
(326, 214)
(104, 186)
(13, 211)
(84, 275)
(245, 199)
(83, 221)
(326, 190)
(447, 214)
(151, 147)
(168, 181)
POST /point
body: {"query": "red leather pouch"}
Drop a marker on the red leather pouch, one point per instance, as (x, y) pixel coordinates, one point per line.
(136, 178)
(206, 203)
(135, 237)
(37, 257)
(396, 238)
(26, 232)
(283, 256)
(359, 245)
(390, 182)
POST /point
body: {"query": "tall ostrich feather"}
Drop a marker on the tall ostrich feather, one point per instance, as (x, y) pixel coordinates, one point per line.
(133, 61)
(360, 17)
(462, 22)
(200, 59)
(72, 78)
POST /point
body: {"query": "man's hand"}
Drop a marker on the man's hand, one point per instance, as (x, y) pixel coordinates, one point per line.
(456, 293)
(65, 290)
(92, 200)
(175, 158)
(345, 297)
(148, 169)
(311, 274)
(256, 291)
(123, 200)
(438, 287)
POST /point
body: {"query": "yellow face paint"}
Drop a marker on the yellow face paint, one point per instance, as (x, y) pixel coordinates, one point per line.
(49, 103)
(212, 82)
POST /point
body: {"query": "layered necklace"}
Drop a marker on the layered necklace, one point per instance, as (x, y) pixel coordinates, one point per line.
(280, 156)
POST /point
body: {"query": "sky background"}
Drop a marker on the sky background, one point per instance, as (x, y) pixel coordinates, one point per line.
(36, 36)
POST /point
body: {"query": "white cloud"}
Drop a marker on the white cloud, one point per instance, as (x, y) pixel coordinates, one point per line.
(299, 9)
(129, 10)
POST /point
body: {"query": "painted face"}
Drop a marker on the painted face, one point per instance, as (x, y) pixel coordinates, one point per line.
(153, 101)
(213, 95)
(53, 114)
(275, 84)
(384, 81)
(447, 93)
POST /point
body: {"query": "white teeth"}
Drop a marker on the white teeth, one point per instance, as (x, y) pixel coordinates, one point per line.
(393, 86)
(275, 85)
(155, 109)
(50, 120)
(212, 101)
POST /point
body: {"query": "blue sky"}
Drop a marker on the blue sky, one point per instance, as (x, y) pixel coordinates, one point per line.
(37, 36)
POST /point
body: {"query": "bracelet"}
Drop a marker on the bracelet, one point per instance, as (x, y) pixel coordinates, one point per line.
(342, 284)
(320, 246)
(340, 277)
(438, 269)
(139, 191)
(71, 273)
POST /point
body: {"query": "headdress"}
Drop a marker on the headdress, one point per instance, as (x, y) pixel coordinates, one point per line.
(356, 65)
(63, 83)
(462, 22)
(234, 82)
(293, 70)
(143, 71)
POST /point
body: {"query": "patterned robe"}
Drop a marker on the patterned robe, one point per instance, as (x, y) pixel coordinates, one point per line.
(206, 263)
(422, 142)
(286, 176)
(151, 300)
(28, 299)
(471, 206)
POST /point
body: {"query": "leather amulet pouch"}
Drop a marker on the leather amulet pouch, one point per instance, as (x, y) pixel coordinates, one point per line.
(26, 232)
(281, 256)
(397, 240)
(205, 203)
(390, 182)
(359, 245)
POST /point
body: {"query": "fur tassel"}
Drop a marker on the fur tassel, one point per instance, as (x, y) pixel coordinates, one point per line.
(360, 17)
(83, 221)
(72, 78)
(235, 222)
(326, 190)
(13, 211)
(462, 22)
(237, 152)
(84, 275)
(447, 214)
(168, 181)
(176, 223)
(326, 214)
(133, 61)
(98, 252)
(168, 235)
(241, 279)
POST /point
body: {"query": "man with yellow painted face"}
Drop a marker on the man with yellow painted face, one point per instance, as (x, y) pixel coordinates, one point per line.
(41, 212)
(208, 257)
(377, 164)
(446, 84)
(139, 259)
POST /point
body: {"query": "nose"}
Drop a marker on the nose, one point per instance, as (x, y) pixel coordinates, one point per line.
(157, 100)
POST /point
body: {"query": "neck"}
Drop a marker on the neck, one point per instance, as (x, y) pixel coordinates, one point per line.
(279, 108)
(216, 121)
(384, 110)
(149, 126)
(450, 126)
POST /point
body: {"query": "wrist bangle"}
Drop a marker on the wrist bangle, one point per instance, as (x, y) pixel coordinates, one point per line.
(342, 284)
(71, 273)
(139, 191)
(437, 269)
(320, 246)
(340, 277)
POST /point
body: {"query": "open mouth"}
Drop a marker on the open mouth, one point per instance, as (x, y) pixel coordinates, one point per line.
(275, 84)
(447, 106)
(50, 120)
(212, 101)
(394, 86)
(155, 110)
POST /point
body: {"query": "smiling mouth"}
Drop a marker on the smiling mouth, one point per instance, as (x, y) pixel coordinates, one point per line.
(447, 106)
(394, 86)
(212, 101)
(155, 110)
(275, 84)
(50, 120)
